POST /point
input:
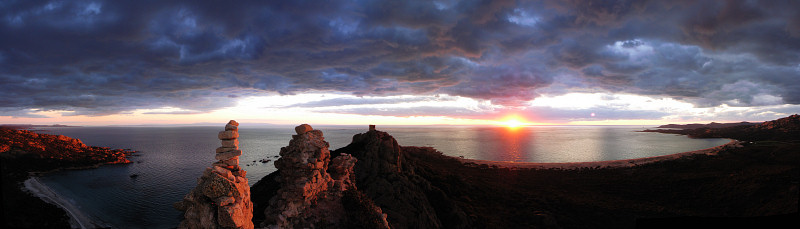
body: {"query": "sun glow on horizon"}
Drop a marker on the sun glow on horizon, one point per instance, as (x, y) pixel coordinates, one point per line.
(513, 122)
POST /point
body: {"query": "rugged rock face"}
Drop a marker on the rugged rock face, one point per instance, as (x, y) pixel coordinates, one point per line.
(311, 185)
(385, 175)
(222, 196)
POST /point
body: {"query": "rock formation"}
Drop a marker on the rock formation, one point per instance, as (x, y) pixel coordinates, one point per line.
(313, 187)
(222, 196)
(385, 175)
(57, 149)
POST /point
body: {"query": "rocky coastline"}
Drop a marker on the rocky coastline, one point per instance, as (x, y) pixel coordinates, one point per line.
(752, 183)
(25, 155)
(376, 183)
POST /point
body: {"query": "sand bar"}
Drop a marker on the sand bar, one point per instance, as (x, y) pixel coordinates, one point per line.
(77, 218)
(599, 164)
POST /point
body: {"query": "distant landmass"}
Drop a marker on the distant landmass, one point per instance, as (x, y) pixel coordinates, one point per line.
(31, 126)
(787, 128)
(710, 125)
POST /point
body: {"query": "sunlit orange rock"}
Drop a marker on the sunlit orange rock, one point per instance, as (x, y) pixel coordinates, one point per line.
(309, 196)
(57, 147)
(222, 196)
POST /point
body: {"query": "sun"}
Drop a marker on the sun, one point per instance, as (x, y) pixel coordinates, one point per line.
(512, 121)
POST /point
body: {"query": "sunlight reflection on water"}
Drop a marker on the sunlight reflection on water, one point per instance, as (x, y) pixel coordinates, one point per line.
(170, 159)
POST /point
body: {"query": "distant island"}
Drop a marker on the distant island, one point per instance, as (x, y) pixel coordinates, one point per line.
(376, 183)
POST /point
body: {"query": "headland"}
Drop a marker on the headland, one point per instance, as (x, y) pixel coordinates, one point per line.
(25, 155)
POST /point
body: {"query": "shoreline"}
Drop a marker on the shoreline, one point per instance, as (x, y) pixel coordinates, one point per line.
(624, 163)
(77, 219)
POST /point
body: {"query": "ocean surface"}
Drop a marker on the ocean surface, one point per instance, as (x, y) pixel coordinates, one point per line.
(170, 159)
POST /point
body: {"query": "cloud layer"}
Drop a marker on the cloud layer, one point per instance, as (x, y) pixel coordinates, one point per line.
(106, 57)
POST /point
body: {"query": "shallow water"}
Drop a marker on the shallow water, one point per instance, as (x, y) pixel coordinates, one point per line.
(170, 159)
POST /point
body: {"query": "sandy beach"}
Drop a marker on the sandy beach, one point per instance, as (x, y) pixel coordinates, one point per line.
(77, 218)
(598, 164)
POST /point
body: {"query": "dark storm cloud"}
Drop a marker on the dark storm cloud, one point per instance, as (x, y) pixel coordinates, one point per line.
(105, 57)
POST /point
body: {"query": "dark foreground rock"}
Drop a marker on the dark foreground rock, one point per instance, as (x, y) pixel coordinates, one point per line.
(313, 190)
(388, 175)
(23, 152)
(418, 187)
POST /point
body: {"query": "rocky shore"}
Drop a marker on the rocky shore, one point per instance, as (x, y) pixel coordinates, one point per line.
(739, 184)
(24, 153)
(376, 183)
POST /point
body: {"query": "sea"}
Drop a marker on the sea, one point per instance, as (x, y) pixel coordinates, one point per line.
(168, 160)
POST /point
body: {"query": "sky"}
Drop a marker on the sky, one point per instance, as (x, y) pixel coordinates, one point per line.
(575, 62)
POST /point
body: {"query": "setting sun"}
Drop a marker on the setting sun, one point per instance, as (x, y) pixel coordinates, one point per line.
(512, 121)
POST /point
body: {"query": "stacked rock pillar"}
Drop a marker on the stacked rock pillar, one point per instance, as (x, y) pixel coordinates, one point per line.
(222, 196)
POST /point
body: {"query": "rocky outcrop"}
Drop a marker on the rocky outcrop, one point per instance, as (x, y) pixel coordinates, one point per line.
(56, 149)
(316, 191)
(385, 174)
(23, 153)
(222, 196)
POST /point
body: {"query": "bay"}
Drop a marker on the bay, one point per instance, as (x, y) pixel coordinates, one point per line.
(170, 159)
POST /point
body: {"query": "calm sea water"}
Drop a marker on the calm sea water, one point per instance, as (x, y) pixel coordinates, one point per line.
(170, 159)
